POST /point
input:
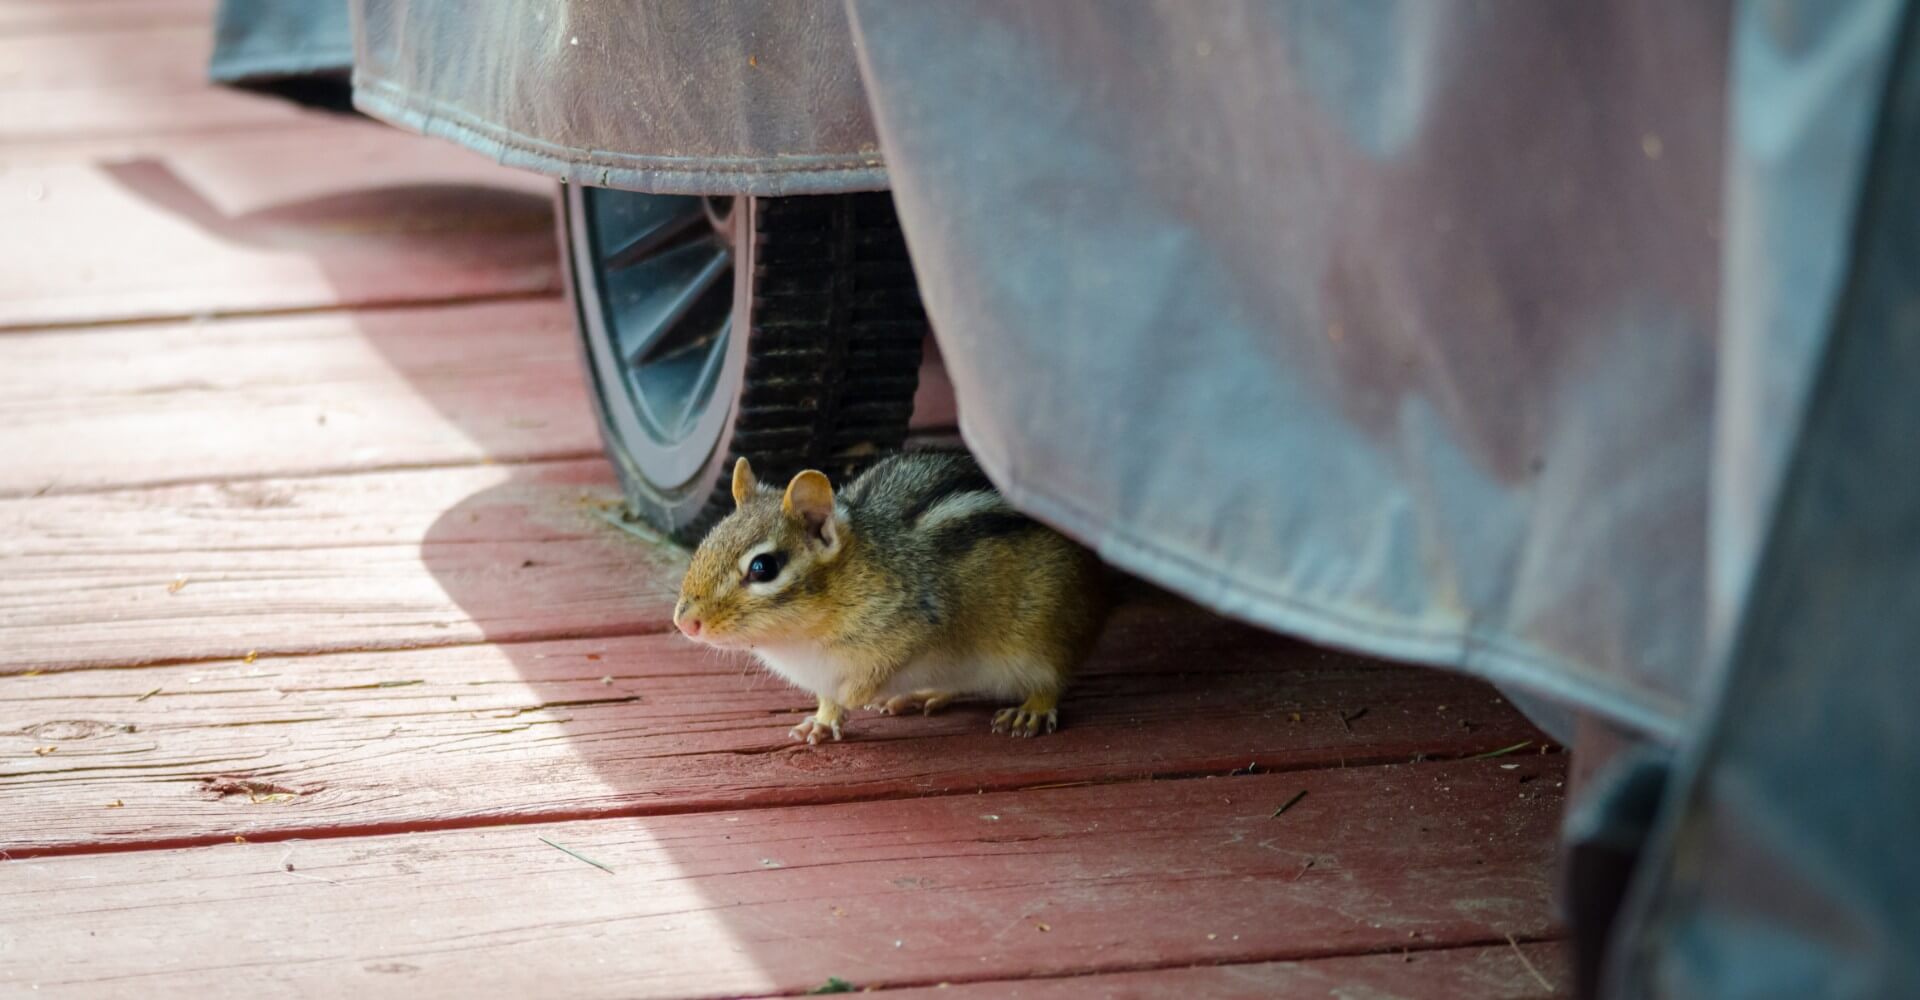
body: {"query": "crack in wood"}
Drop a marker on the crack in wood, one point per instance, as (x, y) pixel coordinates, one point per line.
(255, 789)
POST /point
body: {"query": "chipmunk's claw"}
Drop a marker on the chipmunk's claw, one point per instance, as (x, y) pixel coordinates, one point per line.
(812, 731)
(1024, 722)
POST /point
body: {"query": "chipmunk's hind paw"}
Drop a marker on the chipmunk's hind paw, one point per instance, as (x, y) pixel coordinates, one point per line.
(1024, 721)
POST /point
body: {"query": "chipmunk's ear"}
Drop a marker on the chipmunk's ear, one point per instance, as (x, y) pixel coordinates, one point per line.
(743, 482)
(810, 498)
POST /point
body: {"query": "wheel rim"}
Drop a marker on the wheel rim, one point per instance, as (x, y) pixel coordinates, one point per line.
(660, 301)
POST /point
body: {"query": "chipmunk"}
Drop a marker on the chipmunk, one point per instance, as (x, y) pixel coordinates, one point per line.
(917, 585)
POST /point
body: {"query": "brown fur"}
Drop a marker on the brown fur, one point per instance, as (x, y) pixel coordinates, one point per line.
(916, 563)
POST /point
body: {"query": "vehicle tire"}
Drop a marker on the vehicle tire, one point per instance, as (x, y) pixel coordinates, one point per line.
(785, 330)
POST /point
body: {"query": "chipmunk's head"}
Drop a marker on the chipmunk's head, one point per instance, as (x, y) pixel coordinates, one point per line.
(761, 575)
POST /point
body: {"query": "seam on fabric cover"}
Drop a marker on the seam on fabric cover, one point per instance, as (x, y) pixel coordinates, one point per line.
(388, 100)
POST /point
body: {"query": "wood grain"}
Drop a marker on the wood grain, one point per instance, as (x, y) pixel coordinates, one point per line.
(934, 405)
(1491, 973)
(304, 395)
(347, 213)
(118, 78)
(396, 560)
(67, 126)
(909, 892)
(492, 733)
(54, 18)
(167, 53)
(329, 563)
(291, 395)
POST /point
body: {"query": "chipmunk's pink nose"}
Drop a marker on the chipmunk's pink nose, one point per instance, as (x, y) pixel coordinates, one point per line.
(690, 626)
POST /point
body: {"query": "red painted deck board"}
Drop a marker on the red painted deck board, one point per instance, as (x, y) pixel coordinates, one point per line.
(349, 213)
(52, 19)
(357, 562)
(1500, 972)
(292, 395)
(304, 395)
(653, 724)
(74, 73)
(72, 125)
(388, 560)
(909, 892)
(158, 57)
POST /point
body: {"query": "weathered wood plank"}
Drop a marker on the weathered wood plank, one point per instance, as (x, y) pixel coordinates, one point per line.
(1500, 972)
(75, 75)
(303, 395)
(555, 501)
(44, 18)
(167, 53)
(934, 404)
(905, 892)
(290, 395)
(387, 560)
(347, 213)
(652, 723)
(424, 558)
(50, 127)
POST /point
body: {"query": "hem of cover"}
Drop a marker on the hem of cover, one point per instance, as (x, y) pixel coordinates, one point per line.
(763, 176)
(1494, 657)
(241, 67)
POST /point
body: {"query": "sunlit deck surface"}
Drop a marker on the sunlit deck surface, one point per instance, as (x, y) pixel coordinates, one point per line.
(326, 671)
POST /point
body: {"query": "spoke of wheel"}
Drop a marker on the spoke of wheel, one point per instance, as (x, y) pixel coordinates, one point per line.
(656, 236)
(676, 303)
(703, 383)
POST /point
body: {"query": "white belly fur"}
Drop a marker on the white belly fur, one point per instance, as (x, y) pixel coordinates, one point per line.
(804, 666)
(813, 668)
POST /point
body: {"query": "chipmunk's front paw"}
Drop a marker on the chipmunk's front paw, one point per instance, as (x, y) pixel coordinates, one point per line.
(812, 730)
(1024, 721)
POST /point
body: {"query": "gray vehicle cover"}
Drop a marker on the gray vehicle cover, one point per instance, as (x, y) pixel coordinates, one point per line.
(1573, 345)
(693, 96)
(261, 41)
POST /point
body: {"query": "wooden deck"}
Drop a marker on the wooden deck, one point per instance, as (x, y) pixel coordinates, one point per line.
(323, 671)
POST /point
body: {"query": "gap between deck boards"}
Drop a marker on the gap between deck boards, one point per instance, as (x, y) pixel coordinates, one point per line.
(1539, 949)
(932, 433)
(698, 808)
(397, 304)
(1440, 852)
(492, 733)
(54, 490)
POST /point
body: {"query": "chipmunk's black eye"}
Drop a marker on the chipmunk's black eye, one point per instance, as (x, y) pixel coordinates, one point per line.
(764, 567)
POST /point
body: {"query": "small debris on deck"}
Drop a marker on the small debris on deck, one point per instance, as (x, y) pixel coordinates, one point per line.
(576, 854)
(1289, 804)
